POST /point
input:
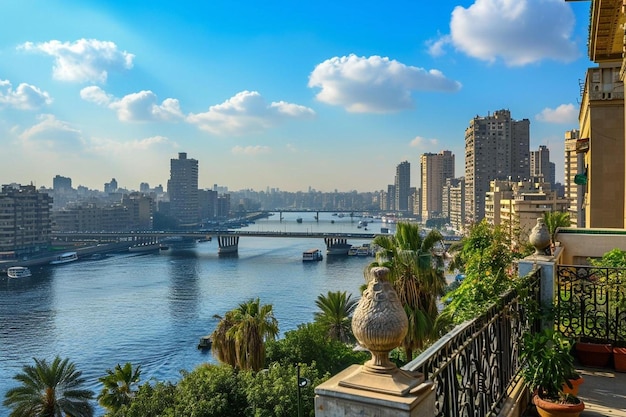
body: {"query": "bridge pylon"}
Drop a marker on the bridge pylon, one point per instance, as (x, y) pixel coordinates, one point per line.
(227, 244)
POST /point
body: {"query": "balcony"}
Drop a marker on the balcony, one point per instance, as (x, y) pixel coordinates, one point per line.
(475, 369)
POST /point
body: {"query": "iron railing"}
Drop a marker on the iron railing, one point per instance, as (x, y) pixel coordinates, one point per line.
(476, 366)
(590, 303)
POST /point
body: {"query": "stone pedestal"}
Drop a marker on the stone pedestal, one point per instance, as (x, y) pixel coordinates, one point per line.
(334, 399)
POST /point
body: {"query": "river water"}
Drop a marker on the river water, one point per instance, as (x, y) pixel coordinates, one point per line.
(151, 309)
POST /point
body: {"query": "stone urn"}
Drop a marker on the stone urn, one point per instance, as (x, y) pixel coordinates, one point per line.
(540, 238)
(379, 324)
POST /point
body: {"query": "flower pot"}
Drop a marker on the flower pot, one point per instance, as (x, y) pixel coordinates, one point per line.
(619, 359)
(576, 382)
(594, 355)
(552, 409)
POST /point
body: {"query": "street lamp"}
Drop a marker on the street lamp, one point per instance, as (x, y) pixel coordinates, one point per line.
(302, 382)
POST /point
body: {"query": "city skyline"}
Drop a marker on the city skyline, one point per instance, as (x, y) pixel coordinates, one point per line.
(284, 95)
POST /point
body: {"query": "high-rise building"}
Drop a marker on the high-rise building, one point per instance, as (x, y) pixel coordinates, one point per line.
(402, 186)
(61, 184)
(182, 188)
(496, 148)
(110, 187)
(25, 224)
(574, 163)
(540, 165)
(434, 170)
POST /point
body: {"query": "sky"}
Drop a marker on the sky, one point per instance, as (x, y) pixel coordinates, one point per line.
(331, 95)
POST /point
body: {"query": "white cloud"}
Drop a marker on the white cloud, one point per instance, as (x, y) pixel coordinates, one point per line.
(374, 84)
(83, 60)
(25, 97)
(519, 32)
(250, 150)
(141, 106)
(420, 142)
(565, 113)
(125, 148)
(53, 134)
(247, 111)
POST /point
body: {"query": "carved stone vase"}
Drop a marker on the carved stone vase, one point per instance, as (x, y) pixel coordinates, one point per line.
(379, 324)
(540, 237)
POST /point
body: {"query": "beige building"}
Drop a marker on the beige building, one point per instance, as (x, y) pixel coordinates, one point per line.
(574, 172)
(516, 205)
(601, 119)
(434, 170)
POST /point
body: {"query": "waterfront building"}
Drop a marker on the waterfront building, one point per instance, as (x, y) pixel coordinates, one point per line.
(496, 148)
(182, 188)
(541, 167)
(574, 165)
(435, 169)
(402, 186)
(25, 225)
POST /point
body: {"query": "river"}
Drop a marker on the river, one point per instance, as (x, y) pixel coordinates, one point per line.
(151, 309)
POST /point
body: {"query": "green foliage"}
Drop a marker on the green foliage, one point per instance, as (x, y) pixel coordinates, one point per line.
(554, 220)
(335, 315)
(118, 386)
(211, 391)
(49, 390)
(485, 258)
(416, 273)
(156, 400)
(548, 363)
(240, 336)
(273, 392)
(615, 258)
(310, 344)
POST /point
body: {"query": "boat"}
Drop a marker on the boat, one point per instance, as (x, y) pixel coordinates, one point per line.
(299, 219)
(205, 342)
(352, 251)
(150, 247)
(363, 251)
(18, 272)
(312, 255)
(64, 258)
(338, 249)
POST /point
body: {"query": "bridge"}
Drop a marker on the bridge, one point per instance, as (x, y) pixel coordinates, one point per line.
(228, 240)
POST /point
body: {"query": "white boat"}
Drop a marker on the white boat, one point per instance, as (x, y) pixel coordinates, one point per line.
(151, 247)
(312, 255)
(18, 272)
(65, 258)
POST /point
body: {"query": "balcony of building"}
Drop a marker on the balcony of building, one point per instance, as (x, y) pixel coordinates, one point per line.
(474, 370)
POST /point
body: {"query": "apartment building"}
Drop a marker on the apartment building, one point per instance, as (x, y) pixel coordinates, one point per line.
(435, 169)
(182, 188)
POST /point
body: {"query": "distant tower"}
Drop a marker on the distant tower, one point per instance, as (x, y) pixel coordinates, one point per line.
(402, 186)
(60, 183)
(540, 165)
(496, 148)
(435, 169)
(182, 188)
(110, 187)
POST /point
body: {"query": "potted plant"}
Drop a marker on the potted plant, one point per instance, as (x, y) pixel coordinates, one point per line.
(548, 367)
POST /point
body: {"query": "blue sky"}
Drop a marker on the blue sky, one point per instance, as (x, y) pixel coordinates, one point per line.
(283, 94)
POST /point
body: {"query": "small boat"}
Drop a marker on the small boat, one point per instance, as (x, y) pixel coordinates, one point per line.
(312, 255)
(150, 247)
(64, 258)
(299, 219)
(205, 342)
(352, 251)
(18, 272)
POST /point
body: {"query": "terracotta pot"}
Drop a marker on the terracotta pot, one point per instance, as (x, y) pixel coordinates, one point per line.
(575, 385)
(594, 355)
(619, 359)
(550, 409)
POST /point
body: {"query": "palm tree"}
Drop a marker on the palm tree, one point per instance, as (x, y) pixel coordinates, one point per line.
(240, 336)
(554, 220)
(416, 272)
(335, 315)
(118, 386)
(49, 390)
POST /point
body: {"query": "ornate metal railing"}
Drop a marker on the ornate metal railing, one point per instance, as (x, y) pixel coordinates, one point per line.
(590, 303)
(476, 366)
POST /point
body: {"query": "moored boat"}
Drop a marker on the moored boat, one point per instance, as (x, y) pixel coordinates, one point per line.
(205, 342)
(18, 272)
(64, 258)
(152, 247)
(312, 255)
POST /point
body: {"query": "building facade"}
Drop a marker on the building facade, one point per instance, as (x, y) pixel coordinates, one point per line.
(182, 189)
(496, 148)
(435, 169)
(574, 172)
(541, 167)
(25, 224)
(402, 186)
